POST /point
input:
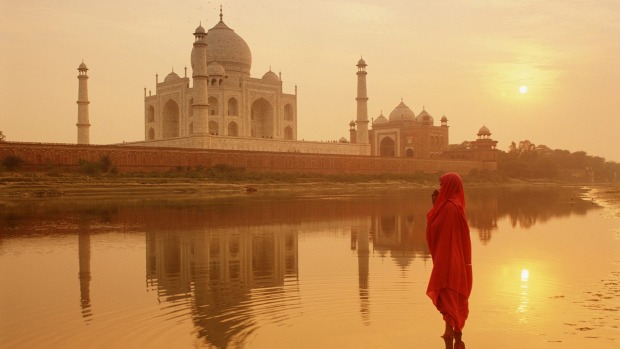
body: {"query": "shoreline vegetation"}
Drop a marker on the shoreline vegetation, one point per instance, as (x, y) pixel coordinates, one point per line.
(24, 185)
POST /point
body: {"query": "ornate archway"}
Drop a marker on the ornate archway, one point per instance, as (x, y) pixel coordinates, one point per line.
(233, 130)
(262, 119)
(288, 132)
(387, 147)
(170, 116)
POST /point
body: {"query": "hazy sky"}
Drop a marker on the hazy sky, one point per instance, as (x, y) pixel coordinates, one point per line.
(465, 59)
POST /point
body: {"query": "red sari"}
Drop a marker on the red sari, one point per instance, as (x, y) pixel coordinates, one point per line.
(447, 235)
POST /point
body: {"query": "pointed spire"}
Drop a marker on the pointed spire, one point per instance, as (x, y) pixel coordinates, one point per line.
(221, 15)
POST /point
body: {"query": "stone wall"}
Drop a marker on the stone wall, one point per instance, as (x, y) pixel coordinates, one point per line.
(45, 156)
(256, 144)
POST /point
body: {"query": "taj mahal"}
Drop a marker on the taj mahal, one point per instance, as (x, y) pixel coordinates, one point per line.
(221, 106)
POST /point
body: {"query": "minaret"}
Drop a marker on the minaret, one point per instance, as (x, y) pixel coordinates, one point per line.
(200, 107)
(83, 126)
(362, 103)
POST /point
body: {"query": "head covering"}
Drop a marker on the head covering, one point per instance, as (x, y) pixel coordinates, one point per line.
(451, 190)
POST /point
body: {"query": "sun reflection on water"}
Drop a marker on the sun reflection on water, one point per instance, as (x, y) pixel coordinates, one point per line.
(523, 295)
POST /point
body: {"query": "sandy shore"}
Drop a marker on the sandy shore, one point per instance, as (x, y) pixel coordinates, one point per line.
(22, 187)
(607, 195)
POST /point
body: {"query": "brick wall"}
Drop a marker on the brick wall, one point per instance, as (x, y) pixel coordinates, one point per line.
(43, 156)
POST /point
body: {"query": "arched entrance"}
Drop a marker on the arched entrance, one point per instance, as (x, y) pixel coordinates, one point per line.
(214, 128)
(288, 112)
(233, 130)
(170, 125)
(409, 153)
(387, 147)
(150, 114)
(288, 132)
(233, 106)
(262, 119)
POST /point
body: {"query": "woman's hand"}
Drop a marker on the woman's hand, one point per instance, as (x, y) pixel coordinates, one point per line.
(434, 195)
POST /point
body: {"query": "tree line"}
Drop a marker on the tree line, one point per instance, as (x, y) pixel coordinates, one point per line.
(527, 160)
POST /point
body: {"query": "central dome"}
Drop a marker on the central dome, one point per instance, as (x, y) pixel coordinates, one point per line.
(402, 113)
(228, 49)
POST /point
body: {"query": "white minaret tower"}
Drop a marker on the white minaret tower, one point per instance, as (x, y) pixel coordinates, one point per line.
(200, 120)
(83, 125)
(362, 104)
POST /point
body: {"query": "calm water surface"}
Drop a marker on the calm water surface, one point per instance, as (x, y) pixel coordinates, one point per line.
(304, 271)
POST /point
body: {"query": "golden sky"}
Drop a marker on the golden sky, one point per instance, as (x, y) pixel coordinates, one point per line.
(465, 59)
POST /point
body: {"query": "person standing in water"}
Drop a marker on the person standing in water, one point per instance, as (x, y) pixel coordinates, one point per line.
(447, 235)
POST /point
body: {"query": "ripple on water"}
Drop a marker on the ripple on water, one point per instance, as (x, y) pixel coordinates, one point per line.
(603, 309)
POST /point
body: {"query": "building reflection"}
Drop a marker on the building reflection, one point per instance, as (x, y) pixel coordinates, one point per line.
(360, 240)
(482, 214)
(84, 271)
(215, 271)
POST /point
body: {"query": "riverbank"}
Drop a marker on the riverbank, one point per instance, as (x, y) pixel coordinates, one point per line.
(83, 187)
(16, 186)
(607, 195)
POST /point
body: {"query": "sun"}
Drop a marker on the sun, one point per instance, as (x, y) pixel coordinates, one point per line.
(523, 89)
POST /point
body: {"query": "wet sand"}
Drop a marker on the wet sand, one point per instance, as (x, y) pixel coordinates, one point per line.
(607, 196)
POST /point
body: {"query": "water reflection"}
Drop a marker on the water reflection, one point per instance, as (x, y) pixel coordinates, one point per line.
(215, 271)
(84, 271)
(232, 264)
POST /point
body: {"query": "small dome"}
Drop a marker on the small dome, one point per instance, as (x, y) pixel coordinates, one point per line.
(352, 123)
(271, 76)
(484, 131)
(401, 113)
(171, 77)
(215, 69)
(380, 120)
(82, 66)
(361, 62)
(424, 118)
(444, 119)
(343, 140)
(199, 30)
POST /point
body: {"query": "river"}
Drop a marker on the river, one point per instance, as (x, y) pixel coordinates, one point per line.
(302, 270)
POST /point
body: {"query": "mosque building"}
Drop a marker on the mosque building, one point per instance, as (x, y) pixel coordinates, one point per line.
(404, 134)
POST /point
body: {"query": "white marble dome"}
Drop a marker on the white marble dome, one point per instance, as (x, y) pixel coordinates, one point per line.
(171, 77)
(228, 49)
(271, 77)
(215, 69)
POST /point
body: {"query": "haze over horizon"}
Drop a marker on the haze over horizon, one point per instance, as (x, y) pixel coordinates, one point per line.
(547, 72)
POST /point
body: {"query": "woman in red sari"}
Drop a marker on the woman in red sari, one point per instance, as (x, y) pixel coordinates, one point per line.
(447, 235)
